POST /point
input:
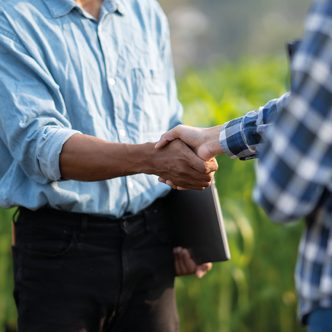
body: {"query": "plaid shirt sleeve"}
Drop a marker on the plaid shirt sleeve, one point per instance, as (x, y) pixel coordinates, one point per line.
(243, 137)
(295, 161)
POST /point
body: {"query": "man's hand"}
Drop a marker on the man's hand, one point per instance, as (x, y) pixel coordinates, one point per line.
(185, 265)
(177, 163)
(204, 141)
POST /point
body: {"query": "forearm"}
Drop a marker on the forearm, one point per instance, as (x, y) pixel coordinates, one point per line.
(87, 158)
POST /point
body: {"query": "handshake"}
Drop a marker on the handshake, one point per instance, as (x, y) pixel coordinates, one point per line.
(192, 151)
(198, 146)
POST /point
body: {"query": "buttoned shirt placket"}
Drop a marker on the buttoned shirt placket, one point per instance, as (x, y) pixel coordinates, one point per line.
(105, 31)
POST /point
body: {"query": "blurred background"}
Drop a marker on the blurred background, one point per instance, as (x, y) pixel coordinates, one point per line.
(230, 58)
(205, 32)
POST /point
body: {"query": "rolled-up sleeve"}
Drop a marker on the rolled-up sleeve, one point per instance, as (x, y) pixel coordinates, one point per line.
(33, 119)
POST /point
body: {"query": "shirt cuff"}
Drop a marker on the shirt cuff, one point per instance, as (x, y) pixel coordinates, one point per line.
(49, 151)
(233, 141)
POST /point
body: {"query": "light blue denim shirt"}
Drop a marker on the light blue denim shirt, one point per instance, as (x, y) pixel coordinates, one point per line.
(63, 72)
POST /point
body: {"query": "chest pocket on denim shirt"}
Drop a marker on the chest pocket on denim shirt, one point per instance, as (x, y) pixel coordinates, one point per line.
(151, 101)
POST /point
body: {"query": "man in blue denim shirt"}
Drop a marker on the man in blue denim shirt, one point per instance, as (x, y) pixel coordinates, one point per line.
(85, 87)
(292, 138)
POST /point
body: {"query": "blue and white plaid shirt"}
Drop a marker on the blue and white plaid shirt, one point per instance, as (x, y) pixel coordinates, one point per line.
(294, 173)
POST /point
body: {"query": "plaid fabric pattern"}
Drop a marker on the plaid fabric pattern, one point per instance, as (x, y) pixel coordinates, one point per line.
(243, 138)
(294, 171)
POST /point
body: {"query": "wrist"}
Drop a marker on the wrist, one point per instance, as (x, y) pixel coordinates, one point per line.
(212, 139)
(141, 157)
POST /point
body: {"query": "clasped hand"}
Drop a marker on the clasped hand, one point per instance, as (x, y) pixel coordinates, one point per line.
(204, 142)
(181, 167)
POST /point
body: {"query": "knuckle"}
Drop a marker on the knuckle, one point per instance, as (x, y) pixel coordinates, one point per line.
(208, 168)
(213, 164)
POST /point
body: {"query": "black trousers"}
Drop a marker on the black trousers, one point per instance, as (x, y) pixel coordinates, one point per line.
(80, 273)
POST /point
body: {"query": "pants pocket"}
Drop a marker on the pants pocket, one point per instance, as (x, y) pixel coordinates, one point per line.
(44, 238)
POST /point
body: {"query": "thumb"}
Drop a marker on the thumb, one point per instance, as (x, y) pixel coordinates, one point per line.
(167, 138)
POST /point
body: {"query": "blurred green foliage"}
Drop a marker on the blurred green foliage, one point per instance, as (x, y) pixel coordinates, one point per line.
(7, 308)
(254, 292)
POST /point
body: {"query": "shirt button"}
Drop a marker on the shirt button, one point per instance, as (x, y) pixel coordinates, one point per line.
(130, 185)
(111, 81)
(119, 7)
(122, 132)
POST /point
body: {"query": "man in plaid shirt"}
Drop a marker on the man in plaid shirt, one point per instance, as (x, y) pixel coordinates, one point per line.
(294, 173)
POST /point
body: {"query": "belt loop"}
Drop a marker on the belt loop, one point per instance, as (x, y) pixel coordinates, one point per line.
(14, 220)
(15, 214)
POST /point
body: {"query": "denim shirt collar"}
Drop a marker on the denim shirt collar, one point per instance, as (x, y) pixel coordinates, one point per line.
(60, 8)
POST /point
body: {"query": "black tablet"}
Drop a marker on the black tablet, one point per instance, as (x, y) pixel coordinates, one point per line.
(198, 225)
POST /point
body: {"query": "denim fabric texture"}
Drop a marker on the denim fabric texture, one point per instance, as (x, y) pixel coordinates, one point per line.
(77, 273)
(320, 320)
(63, 72)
